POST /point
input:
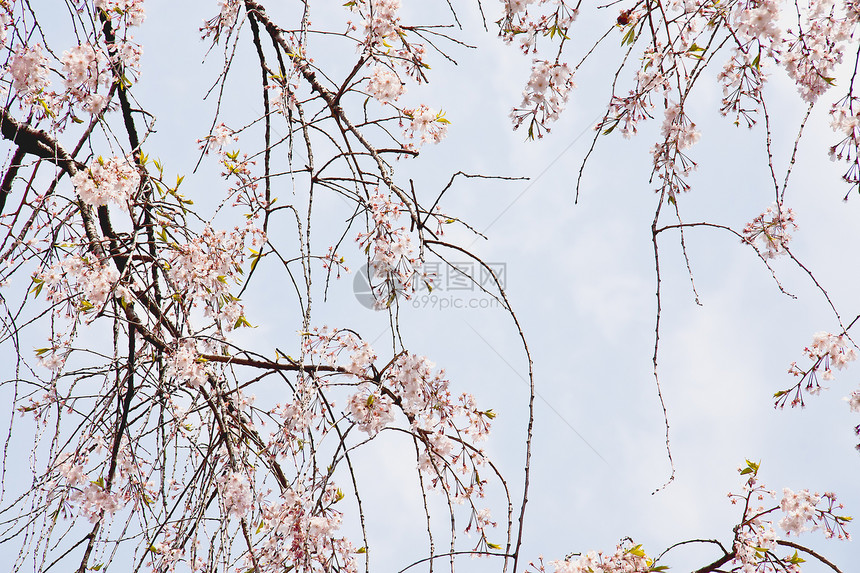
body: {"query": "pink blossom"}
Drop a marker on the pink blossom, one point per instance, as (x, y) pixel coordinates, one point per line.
(385, 84)
(29, 69)
(545, 96)
(132, 11)
(236, 494)
(184, 365)
(428, 125)
(799, 509)
(115, 179)
(220, 137)
(770, 230)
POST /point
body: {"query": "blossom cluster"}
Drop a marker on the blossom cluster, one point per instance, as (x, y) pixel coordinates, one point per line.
(756, 537)
(443, 423)
(670, 162)
(549, 84)
(131, 11)
(82, 281)
(184, 364)
(115, 179)
(393, 259)
(544, 97)
(201, 269)
(236, 494)
(301, 528)
(628, 111)
(340, 348)
(385, 39)
(29, 70)
(371, 409)
(84, 68)
(811, 54)
(425, 124)
(90, 495)
(226, 19)
(381, 20)
(827, 351)
(770, 231)
(743, 79)
(548, 18)
(96, 498)
(627, 558)
(216, 141)
(845, 121)
(384, 84)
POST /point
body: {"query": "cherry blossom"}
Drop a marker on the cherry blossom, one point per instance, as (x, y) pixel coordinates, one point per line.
(29, 70)
(132, 11)
(85, 70)
(425, 124)
(393, 259)
(236, 494)
(770, 231)
(220, 137)
(81, 280)
(107, 180)
(385, 84)
(544, 97)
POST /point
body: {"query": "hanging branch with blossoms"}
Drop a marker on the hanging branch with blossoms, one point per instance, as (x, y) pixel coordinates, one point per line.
(152, 450)
(756, 546)
(670, 52)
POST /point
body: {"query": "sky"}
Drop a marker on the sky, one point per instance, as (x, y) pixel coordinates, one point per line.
(580, 277)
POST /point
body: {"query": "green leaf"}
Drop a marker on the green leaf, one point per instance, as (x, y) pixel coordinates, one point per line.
(255, 258)
(611, 128)
(493, 545)
(629, 37)
(796, 559)
(752, 468)
(361, 550)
